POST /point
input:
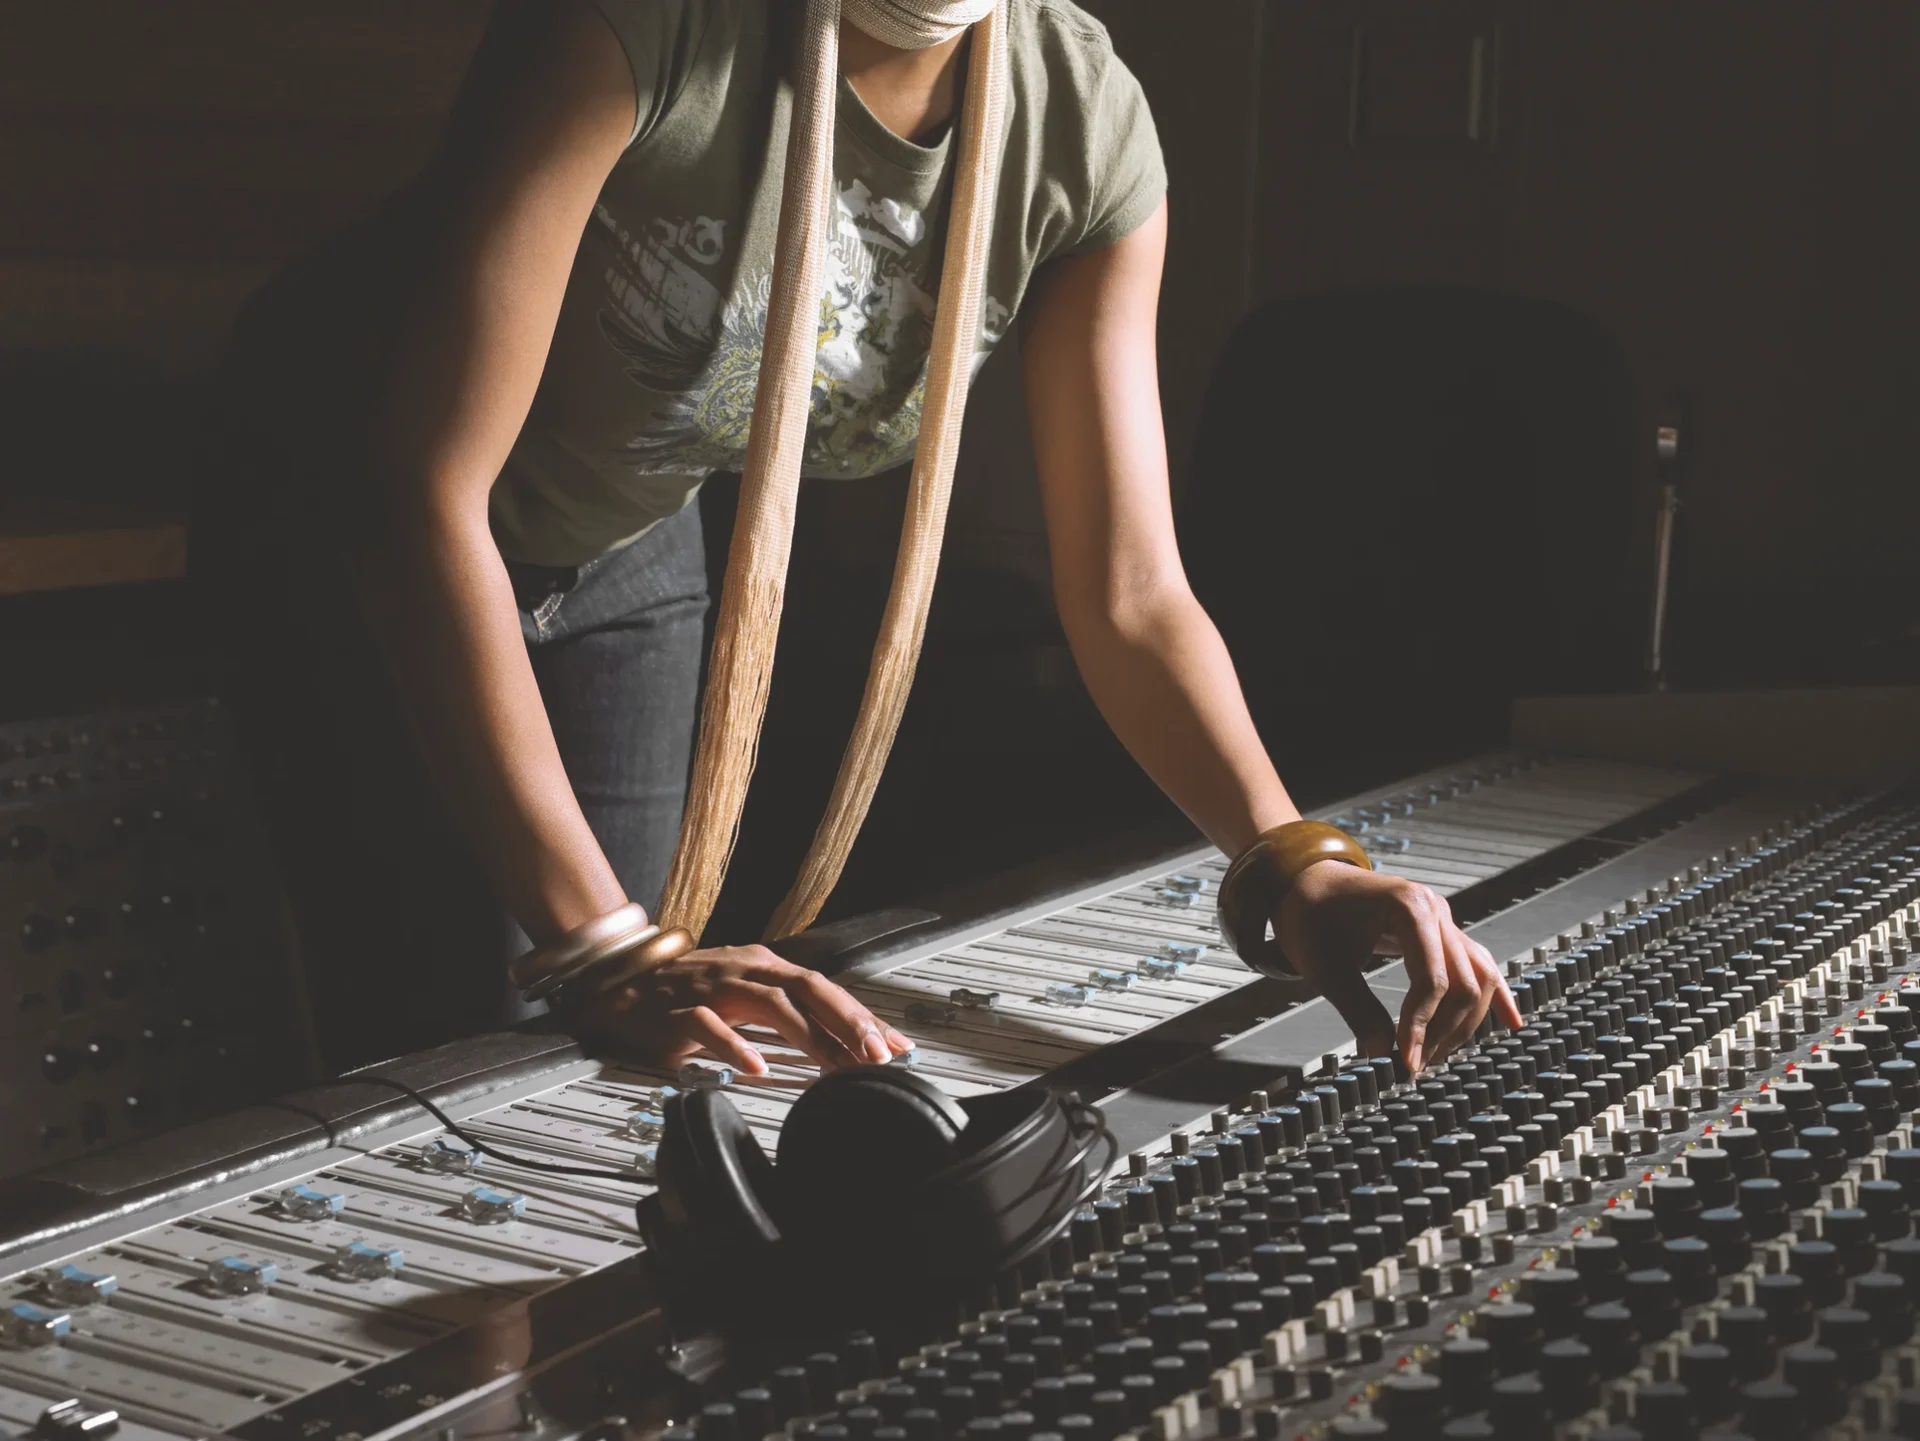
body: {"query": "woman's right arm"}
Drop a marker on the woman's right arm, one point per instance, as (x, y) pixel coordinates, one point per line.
(547, 110)
(546, 113)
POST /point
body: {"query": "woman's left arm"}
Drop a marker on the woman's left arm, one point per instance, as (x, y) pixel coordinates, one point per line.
(1161, 675)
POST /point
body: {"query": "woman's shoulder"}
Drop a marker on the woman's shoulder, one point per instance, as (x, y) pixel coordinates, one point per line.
(1072, 45)
(677, 47)
(1081, 139)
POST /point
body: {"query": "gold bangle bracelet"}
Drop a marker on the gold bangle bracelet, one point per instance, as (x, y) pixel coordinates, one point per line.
(587, 961)
(565, 953)
(651, 954)
(1263, 873)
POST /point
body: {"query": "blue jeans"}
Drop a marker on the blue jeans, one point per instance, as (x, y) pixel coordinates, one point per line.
(402, 943)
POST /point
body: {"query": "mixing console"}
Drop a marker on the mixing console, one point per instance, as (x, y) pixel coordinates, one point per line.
(145, 973)
(1675, 1204)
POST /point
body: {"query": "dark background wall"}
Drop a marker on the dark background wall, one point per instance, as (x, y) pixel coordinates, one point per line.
(1725, 187)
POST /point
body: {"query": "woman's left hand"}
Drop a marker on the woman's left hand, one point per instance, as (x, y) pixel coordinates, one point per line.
(1335, 917)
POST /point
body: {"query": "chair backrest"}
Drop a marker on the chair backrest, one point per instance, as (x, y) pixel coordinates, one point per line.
(1408, 506)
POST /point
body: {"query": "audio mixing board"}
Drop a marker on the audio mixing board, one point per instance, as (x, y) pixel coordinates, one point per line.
(1675, 1204)
(146, 973)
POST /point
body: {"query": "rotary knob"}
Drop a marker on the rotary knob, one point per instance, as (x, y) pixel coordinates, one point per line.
(1571, 1379)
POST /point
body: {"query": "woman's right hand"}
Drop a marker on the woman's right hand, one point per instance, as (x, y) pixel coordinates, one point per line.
(694, 1003)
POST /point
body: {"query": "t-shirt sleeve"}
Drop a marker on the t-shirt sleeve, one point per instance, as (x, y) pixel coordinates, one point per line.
(657, 36)
(1128, 174)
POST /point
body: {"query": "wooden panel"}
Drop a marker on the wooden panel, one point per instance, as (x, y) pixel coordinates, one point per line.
(172, 314)
(59, 547)
(349, 58)
(157, 156)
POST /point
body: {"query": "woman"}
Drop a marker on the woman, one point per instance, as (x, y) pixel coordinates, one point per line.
(450, 543)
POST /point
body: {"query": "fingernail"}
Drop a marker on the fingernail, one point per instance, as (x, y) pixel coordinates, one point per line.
(1413, 1060)
(756, 1063)
(877, 1049)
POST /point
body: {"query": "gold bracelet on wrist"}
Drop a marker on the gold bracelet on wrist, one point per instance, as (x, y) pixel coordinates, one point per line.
(1264, 872)
(611, 949)
(565, 954)
(649, 955)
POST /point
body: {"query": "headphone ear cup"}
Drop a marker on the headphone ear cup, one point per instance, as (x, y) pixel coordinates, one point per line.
(859, 1136)
(712, 1174)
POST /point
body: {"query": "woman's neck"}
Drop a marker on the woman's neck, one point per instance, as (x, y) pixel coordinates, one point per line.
(911, 92)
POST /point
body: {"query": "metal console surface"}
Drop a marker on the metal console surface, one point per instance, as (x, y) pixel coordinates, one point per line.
(328, 1267)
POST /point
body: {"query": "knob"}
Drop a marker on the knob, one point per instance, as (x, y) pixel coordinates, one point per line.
(235, 1276)
(1903, 1259)
(1724, 1229)
(1885, 1202)
(451, 1155)
(1557, 1296)
(1654, 1303)
(1814, 1372)
(361, 1261)
(1567, 1370)
(1638, 1233)
(1676, 1205)
(1772, 1411)
(69, 1285)
(1601, 1267)
(1747, 1333)
(1689, 1260)
(1787, 1302)
(793, 1397)
(70, 1420)
(310, 1203)
(1885, 1297)
(485, 1206)
(1518, 1408)
(1706, 1370)
(1763, 1202)
(1794, 1169)
(1828, 1147)
(24, 1324)
(1412, 1405)
(1609, 1330)
(1710, 1168)
(1850, 1335)
(1817, 1263)
(1664, 1411)
(1466, 1374)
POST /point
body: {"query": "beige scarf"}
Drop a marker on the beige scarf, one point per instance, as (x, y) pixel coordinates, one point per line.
(748, 623)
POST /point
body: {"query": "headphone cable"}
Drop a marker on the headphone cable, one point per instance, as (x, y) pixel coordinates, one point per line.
(487, 1148)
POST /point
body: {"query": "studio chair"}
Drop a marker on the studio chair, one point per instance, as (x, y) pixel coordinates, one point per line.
(1408, 506)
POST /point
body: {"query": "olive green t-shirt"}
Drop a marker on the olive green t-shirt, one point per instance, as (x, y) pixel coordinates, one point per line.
(649, 384)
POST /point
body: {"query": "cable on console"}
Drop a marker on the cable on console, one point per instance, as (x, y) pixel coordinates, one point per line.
(486, 1148)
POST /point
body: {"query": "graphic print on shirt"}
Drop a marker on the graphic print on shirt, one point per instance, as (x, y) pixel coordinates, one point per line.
(679, 335)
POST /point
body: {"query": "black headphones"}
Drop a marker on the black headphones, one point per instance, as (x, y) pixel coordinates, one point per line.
(889, 1197)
